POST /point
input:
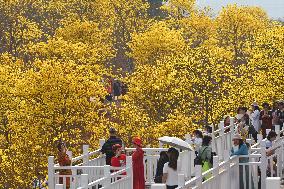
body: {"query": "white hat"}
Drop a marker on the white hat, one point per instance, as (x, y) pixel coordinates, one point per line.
(237, 137)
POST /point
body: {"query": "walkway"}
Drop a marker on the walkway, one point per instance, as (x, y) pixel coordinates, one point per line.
(89, 169)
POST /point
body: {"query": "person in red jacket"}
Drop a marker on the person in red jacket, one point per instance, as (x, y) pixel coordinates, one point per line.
(119, 160)
(138, 165)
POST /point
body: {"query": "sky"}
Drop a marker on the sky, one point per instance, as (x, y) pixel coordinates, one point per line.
(274, 8)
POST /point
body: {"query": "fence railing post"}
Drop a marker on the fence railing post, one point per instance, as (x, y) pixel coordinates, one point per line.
(232, 129)
(107, 176)
(216, 172)
(129, 171)
(181, 180)
(160, 144)
(59, 186)
(273, 182)
(277, 130)
(222, 134)
(85, 157)
(263, 161)
(198, 175)
(227, 167)
(51, 172)
(84, 181)
(102, 141)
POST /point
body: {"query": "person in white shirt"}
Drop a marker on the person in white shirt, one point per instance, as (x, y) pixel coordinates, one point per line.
(170, 170)
(254, 116)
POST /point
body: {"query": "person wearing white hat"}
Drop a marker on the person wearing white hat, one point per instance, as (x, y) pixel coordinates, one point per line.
(240, 148)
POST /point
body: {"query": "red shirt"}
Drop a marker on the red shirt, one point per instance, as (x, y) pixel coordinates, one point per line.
(119, 161)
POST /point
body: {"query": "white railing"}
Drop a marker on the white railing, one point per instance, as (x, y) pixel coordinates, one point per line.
(90, 166)
(236, 172)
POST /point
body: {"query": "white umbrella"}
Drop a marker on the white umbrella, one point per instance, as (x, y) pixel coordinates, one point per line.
(176, 142)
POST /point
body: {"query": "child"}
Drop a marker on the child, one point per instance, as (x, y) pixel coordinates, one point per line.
(119, 160)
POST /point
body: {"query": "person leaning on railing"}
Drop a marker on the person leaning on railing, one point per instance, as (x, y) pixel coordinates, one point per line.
(270, 138)
(119, 160)
(240, 148)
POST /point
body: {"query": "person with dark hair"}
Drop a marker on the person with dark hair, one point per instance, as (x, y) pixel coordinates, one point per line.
(107, 147)
(280, 114)
(64, 160)
(266, 118)
(270, 138)
(275, 119)
(205, 153)
(197, 139)
(138, 164)
(160, 165)
(245, 117)
(119, 160)
(170, 170)
(208, 129)
(240, 148)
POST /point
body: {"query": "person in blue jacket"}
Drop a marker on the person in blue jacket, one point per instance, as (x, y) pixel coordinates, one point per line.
(240, 148)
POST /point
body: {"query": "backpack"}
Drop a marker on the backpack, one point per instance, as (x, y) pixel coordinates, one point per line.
(198, 160)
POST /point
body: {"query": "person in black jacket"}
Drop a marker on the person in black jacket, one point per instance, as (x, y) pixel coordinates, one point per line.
(160, 165)
(107, 147)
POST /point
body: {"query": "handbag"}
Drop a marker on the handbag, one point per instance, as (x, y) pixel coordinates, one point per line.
(198, 160)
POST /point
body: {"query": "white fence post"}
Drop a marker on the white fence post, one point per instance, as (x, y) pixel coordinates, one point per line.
(129, 171)
(198, 175)
(160, 144)
(181, 180)
(227, 167)
(216, 172)
(51, 172)
(84, 180)
(102, 141)
(222, 134)
(107, 176)
(158, 186)
(263, 165)
(214, 144)
(86, 155)
(59, 186)
(277, 130)
(273, 182)
(232, 129)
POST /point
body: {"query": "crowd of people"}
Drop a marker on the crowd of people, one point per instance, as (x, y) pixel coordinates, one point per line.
(259, 121)
(249, 123)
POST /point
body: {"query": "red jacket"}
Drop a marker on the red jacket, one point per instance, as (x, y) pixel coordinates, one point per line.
(119, 161)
